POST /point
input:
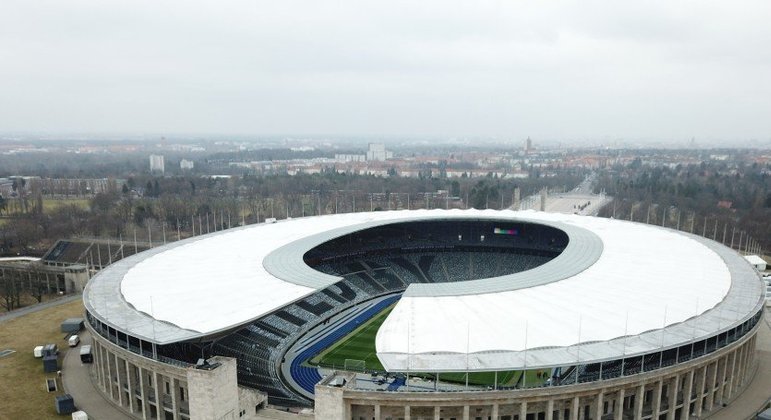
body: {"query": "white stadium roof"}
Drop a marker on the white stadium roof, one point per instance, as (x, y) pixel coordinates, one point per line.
(618, 279)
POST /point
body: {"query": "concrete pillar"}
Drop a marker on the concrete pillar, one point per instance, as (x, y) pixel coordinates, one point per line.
(406, 412)
(575, 412)
(157, 389)
(711, 386)
(144, 391)
(494, 413)
(175, 398)
(598, 405)
(109, 383)
(377, 411)
(639, 396)
(102, 367)
(437, 413)
(740, 363)
(522, 410)
(465, 412)
(117, 380)
(549, 409)
(732, 375)
(723, 378)
(618, 413)
(656, 409)
(699, 404)
(747, 361)
(560, 406)
(672, 397)
(95, 355)
(130, 379)
(686, 413)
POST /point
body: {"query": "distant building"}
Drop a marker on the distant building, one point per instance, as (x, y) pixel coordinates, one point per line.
(528, 145)
(378, 152)
(350, 158)
(725, 204)
(185, 164)
(156, 163)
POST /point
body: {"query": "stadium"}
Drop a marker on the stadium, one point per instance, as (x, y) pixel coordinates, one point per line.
(430, 314)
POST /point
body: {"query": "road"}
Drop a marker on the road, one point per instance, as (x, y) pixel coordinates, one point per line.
(76, 378)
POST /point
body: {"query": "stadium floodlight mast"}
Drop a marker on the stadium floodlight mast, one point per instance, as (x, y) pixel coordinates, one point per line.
(733, 233)
(120, 239)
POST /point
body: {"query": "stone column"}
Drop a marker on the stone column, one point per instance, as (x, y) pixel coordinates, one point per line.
(738, 380)
(598, 405)
(638, 402)
(465, 412)
(437, 413)
(699, 404)
(117, 379)
(377, 411)
(109, 383)
(549, 409)
(494, 413)
(656, 409)
(723, 377)
(157, 389)
(686, 413)
(731, 376)
(747, 361)
(406, 412)
(522, 410)
(130, 377)
(574, 409)
(144, 390)
(175, 398)
(711, 386)
(619, 409)
(672, 397)
(101, 367)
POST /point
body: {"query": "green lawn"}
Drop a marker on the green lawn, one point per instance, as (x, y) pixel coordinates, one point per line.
(359, 344)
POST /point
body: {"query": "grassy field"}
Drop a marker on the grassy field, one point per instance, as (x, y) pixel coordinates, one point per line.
(22, 381)
(50, 204)
(357, 345)
(360, 345)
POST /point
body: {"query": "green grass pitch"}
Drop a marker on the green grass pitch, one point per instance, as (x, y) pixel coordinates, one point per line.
(359, 344)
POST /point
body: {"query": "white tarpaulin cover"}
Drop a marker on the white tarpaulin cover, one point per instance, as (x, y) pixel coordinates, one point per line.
(647, 278)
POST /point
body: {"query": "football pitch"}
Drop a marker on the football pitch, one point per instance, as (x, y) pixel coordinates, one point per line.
(359, 345)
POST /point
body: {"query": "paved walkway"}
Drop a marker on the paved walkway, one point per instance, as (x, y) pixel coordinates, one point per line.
(7, 316)
(757, 393)
(76, 378)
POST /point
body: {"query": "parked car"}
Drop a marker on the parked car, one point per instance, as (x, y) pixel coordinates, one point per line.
(74, 340)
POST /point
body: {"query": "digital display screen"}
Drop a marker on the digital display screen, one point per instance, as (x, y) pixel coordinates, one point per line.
(499, 231)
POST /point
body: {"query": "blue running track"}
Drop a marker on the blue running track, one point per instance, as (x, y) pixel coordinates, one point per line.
(308, 377)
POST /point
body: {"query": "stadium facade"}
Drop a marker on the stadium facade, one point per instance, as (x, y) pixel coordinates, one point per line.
(615, 319)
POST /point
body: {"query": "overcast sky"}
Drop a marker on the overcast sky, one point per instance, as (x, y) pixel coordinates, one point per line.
(545, 69)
